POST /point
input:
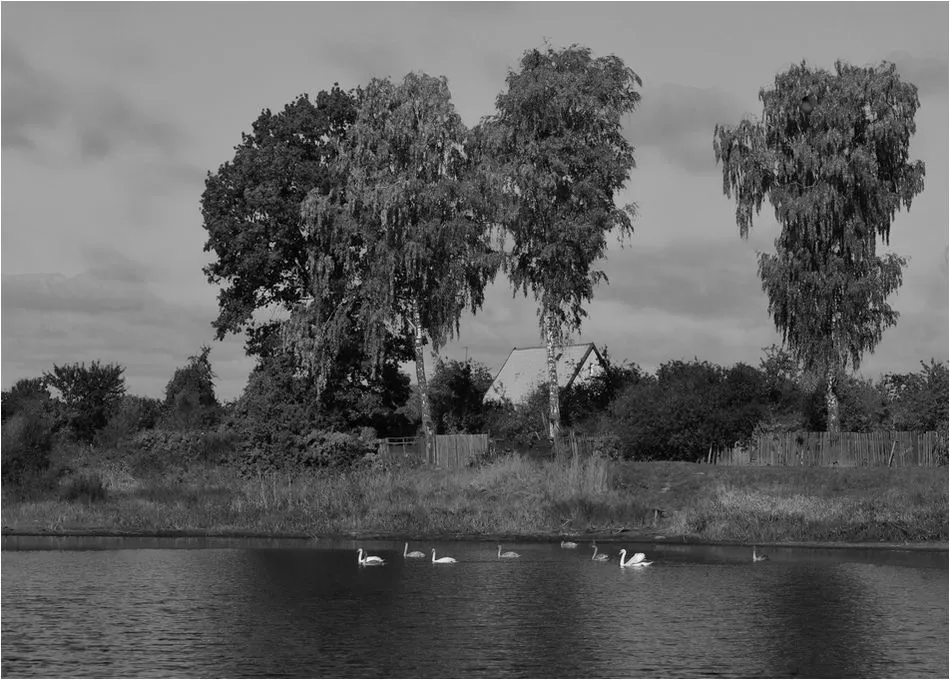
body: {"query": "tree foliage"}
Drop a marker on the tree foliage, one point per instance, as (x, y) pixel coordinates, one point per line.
(24, 394)
(251, 210)
(190, 402)
(399, 248)
(90, 395)
(688, 407)
(831, 156)
(456, 391)
(558, 143)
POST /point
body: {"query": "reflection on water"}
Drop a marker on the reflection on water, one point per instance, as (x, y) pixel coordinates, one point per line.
(295, 609)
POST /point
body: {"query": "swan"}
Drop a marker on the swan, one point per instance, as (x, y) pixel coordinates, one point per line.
(369, 560)
(509, 554)
(599, 557)
(442, 560)
(636, 560)
(414, 553)
(568, 544)
(758, 557)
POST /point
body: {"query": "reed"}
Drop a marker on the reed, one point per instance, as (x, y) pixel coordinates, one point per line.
(515, 496)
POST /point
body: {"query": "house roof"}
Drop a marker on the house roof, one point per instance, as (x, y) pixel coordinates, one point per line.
(526, 368)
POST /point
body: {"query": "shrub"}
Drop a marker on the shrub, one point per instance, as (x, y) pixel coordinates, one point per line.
(85, 488)
(27, 440)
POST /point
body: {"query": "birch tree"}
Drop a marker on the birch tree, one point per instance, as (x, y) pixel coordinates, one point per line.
(831, 155)
(558, 143)
(400, 249)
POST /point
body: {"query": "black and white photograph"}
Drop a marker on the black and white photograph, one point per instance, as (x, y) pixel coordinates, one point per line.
(475, 339)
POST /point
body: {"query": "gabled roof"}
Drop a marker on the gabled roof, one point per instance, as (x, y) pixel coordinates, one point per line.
(527, 367)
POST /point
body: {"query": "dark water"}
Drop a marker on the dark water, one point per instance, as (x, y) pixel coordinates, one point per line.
(243, 608)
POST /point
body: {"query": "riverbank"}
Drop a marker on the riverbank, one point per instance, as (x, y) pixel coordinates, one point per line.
(513, 498)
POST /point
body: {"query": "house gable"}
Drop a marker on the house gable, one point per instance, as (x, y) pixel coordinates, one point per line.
(526, 368)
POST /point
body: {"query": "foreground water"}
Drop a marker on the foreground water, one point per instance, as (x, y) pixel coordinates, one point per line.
(120, 607)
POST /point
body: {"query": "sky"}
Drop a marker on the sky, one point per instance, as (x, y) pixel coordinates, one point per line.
(113, 113)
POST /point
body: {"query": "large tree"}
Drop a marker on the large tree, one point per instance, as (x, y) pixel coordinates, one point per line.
(400, 248)
(558, 140)
(251, 210)
(831, 155)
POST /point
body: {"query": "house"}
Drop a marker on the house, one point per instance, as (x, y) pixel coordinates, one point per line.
(527, 367)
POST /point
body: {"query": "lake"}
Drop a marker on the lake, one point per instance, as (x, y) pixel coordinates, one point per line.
(105, 607)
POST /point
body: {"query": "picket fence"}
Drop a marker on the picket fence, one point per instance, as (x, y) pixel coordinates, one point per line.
(842, 449)
(451, 451)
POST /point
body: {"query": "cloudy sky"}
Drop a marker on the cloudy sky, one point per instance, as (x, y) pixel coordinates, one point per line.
(112, 114)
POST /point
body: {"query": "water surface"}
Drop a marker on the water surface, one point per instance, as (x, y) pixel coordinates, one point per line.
(235, 608)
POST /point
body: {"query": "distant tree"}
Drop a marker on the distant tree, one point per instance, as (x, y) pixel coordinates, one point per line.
(24, 393)
(919, 401)
(190, 402)
(687, 408)
(90, 395)
(558, 142)
(587, 401)
(831, 156)
(251, 211)
(401, 248)
(280, 407)
(456, 391)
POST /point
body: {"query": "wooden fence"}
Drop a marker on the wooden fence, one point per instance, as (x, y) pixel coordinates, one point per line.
(843, 449)
(449, 450)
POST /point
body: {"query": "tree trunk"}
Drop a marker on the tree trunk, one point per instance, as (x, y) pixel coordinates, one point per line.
(832, 422)
(424, 410)
(554, 401)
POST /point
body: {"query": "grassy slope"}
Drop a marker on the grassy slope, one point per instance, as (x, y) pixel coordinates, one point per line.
(518, 497)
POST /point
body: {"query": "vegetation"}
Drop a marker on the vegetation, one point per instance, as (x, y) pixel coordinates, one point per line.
(831, 155)
(557, 142)
(512, 496)
(251, 211)
(400, 246)
(367, 217)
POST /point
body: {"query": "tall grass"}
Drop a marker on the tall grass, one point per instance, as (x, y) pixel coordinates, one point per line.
(515, 496)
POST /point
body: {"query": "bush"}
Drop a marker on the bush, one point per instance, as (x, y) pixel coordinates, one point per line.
(27, 440)
(315, 449)
(85, 488)
(156, 451)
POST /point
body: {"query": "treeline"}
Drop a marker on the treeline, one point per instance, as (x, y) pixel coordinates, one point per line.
(77, 417)
(686, 407)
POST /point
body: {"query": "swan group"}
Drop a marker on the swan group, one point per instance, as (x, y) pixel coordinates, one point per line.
(635, 560)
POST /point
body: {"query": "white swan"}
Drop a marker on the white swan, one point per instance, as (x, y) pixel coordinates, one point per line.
(599, 557)
(636, 560)
(568, 544)
(507, 555)
(758, 557)
(414, 553)
(369, 560)
(442, 560)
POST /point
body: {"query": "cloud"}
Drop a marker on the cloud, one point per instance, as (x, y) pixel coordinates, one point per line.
(679, 121)
(109, 314)
(928, 74)
(100, 120)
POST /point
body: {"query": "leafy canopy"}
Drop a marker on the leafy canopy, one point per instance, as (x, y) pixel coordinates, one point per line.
(558, 143)
(831, 156)
(403, 234)
(251, 210)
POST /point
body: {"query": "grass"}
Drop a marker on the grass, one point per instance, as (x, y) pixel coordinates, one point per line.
(512, 497)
